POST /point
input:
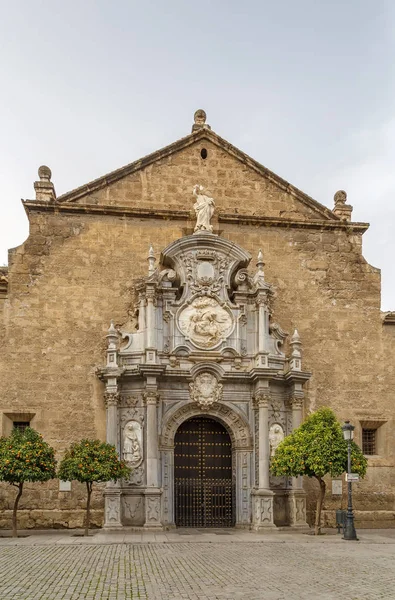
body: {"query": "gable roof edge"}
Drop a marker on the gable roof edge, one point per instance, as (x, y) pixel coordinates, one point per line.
(182, 143)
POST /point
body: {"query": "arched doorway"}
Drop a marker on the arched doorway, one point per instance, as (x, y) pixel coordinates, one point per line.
(203, 484)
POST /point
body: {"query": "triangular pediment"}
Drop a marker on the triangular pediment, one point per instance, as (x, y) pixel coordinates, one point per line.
(164, 179)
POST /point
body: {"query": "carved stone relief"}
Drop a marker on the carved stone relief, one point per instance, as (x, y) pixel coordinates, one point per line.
(112, 515)
(133, 508)
(136, 476)
(205, 390)
(153, 509)
(205, 322)
(132, 414)
(132, 448)
(276, 436)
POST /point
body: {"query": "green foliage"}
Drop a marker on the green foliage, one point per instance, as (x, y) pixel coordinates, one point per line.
(317, 448)
(24, 456)
(92, 461)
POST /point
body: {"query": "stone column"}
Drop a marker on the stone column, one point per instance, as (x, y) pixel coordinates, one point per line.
(111, 400)
(152, 492)
(264, 452)
(112, 492)
(263, 496)
(297, 407)
(297, 496)
(151, 401)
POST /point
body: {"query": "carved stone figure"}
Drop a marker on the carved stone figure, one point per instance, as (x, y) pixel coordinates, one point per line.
(205, 322)
(205, 390)
(276, 436)
(132, 444)
(204, 209)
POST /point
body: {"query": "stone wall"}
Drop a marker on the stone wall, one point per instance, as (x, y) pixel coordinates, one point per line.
(77, 270)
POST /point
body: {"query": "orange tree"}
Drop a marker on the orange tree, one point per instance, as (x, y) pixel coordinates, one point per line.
(24, 456)
(89, 462)
(317, 448)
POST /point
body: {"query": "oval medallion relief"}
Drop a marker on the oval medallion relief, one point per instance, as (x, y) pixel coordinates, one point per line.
(205, 322)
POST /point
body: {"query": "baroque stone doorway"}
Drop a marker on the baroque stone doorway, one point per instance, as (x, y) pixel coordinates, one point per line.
(204, 489)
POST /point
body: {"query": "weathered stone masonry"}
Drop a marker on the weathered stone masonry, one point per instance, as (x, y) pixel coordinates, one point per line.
(88, 262)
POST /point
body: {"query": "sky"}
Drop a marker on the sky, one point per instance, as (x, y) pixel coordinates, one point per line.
(306, 88)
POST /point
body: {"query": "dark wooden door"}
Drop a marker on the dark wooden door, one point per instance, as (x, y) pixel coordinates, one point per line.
(204, 495)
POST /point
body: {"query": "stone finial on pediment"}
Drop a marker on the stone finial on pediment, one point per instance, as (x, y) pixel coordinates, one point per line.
(45, 189)
(199, 119)
(342, 209)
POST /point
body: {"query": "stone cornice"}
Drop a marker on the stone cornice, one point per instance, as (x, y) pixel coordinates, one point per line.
(263, 221)
(389, 318)
(297, 376)
(185, 215)
(95, 209)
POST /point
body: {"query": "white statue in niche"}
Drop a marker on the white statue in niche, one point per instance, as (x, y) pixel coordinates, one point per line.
(132, 444)
(205, 322)
(204, 209)
(276, 436)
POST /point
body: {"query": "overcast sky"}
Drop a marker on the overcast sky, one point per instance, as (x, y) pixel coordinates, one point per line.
(306, 88)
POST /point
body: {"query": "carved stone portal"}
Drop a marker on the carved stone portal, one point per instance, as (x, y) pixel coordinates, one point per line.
(205, 390)
(205, 322)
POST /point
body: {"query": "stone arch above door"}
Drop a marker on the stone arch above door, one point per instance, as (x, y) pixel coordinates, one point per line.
(237, 426)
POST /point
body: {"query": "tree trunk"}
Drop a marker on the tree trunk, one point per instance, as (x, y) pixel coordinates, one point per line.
(320, 502)
(19, 494)
(88, 507)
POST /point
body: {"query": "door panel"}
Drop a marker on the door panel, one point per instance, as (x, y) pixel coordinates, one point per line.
(204, 495)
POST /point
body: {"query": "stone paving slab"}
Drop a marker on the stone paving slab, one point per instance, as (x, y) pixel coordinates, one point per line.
(101, 536)
(197, 571)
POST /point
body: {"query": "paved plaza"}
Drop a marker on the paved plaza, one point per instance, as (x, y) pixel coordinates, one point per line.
(196, 565)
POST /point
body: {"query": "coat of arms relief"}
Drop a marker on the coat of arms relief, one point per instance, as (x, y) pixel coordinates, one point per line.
(205, 390)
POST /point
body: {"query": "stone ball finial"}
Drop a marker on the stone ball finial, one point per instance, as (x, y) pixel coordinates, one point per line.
(44, 173)
(340, 197)
(200, 117)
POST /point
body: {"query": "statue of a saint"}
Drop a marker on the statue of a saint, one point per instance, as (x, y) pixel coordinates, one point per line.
(132, 454)
(276, 436)
(204, 209)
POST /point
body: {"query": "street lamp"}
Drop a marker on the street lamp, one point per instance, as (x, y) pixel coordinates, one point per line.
(349, 530)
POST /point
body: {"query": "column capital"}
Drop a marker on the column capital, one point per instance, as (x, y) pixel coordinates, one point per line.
(150, 293)
(261, 399)
(151, 397)
(296, 402)
(111, 398)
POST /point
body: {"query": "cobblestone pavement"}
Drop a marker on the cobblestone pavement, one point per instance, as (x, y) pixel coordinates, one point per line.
(220, 570)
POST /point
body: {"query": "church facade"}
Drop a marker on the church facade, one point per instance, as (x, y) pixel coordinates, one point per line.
(191, 308)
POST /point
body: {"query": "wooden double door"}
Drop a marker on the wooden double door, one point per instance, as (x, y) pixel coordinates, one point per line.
(204, 489)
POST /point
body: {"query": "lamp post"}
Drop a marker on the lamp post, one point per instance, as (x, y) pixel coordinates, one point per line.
(349, 530)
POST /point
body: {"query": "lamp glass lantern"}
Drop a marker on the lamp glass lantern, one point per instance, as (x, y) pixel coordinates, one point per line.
(348, 431)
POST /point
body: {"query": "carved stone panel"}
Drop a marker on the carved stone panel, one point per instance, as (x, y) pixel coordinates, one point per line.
(133, 510)
(132, 444)
(205, 390)
(205, 322)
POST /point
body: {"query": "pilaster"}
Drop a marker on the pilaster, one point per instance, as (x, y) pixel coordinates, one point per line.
(152, 493)
(262, 498)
